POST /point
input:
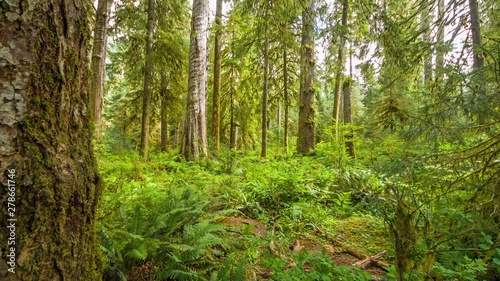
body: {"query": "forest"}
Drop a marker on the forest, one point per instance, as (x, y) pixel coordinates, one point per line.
(250, 140)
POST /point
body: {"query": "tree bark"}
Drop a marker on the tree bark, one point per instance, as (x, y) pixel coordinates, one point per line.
(426, 18)
(232, 124)
(305, 140)
(163, 113)
(440, 38)
(148, 75)
(476, 34)
(265, 92)
(278, 117)
(46, 143)
(194, 140)
(287, 99)
(98, 64)
(347, 90)
(217, 76)
(340, 65)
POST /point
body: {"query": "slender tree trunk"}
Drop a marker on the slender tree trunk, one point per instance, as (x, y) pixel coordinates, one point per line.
(278, 117)
(340, 65)
(426, 18)
(476, 34)
(440, 38)
(265, 90)
(217, 77)
(347, 90)
(148, 75)
(164, 126)
(194, 140)
(48, 172)
(287, 102)
(235, 138)
(98, 64)
(478, 61)
(305, 141)
(176, 135)
(232, 125)
(163, 113)
(232, 85)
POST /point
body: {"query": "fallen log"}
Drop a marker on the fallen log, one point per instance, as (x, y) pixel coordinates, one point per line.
(366, 262)
(353, 252)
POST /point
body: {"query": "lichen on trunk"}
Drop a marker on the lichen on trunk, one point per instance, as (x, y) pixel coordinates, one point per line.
(46, 137)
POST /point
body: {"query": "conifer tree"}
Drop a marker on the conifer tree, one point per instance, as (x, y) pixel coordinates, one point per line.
(194, 141)
(148, 75)
(305, 141)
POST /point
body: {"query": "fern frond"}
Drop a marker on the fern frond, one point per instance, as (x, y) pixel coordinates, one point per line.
(139, 253)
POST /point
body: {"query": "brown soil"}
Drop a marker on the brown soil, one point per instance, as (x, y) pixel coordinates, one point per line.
(257, 227)
(338, 256)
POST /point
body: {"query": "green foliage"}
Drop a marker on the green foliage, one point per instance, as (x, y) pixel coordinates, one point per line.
(306, 266)
(463, 268)
(159, 221)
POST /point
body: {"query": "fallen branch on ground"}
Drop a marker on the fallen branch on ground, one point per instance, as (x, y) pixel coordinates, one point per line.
(353, 252)
(366, 262)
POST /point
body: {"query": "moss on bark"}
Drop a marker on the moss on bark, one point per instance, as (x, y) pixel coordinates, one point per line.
(57, 182)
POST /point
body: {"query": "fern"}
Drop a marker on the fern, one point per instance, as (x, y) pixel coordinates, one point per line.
(233, 269)
(139, 253)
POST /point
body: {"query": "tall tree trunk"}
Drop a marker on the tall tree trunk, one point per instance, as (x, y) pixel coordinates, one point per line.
(98, 64)
(46, 156)
(232, 125)
(278, 117)
(287, 102)
(476, 34)
(148, 75)
(163, 113)
(440, 39)
(176, 134)
(339, 67)
(426, 18)
(347, 90)
(194, 139)
(305, 141)
(217, 77)
(265, 92)
(163, 125)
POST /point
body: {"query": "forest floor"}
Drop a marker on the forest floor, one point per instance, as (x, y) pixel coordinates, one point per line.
(309, 243)
(297, 218)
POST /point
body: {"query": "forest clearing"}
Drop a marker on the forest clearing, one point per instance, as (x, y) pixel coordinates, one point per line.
(250, 140)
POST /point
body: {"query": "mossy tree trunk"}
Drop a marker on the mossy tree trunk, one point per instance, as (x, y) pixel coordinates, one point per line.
(232, 123)
(217, 76)
(305, 140)
(148, 77)
(265, 93)
(287, 98)
(347, 108)
(439, 70)
(45, 136)
(337, 99)
(426, 19)
(404, 236)
(476, 34)
(164, 93)
(98, 63)
(194, 140)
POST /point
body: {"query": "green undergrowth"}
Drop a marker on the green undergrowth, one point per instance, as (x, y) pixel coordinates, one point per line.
(166, 219)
